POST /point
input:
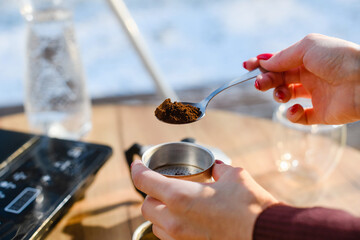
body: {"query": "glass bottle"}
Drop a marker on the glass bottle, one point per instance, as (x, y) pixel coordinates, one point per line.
(56, 100)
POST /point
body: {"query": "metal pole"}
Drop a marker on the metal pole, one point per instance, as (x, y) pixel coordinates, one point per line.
(132, 31)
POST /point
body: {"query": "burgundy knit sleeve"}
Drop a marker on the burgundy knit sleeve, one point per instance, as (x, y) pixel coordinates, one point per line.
(281, 222)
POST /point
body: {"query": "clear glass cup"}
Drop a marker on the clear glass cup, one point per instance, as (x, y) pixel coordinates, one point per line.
(306, 154)
(56, 98)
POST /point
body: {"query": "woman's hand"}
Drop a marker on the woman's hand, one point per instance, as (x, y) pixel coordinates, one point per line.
(224, 209)
(322, 68)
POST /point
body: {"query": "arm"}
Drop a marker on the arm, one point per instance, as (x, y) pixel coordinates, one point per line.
(283, 222)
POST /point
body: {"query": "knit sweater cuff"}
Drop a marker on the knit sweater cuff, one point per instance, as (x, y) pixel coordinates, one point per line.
(280, 222)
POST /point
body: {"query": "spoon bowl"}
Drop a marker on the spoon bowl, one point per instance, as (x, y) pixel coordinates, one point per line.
(202, 105)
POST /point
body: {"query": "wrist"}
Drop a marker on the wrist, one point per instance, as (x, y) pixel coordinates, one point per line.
(260, 219)
(256, 210)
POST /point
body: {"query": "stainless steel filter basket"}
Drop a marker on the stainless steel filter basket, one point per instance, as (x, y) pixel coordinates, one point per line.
(184, 160)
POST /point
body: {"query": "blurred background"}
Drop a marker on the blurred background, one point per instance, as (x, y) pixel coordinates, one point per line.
(197, 44)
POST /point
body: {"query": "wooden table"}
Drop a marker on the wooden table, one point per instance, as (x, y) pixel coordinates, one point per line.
(111, 206)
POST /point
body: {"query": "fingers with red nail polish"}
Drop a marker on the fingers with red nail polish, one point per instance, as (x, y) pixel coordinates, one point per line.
(297, 114)
(244, 65)
(267, 81)
(294, 113)
(264, 56)
(257, 85)
(282, 94)
(279, 96)
(294, 109)
(251, 64)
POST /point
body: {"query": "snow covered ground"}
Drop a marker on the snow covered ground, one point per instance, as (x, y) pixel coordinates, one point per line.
(194, 42)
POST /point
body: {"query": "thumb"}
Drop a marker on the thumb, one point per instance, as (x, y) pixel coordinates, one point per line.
(219, 169)
(286, 59)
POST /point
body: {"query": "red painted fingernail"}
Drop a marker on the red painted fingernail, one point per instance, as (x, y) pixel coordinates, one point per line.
(219, 162)
(293, 109)
(280, 95)
(257, 85)
(244, 65)
(264, 56)
(131, 164)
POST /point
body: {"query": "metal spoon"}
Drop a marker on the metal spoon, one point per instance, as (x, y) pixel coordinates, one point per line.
(244, 78)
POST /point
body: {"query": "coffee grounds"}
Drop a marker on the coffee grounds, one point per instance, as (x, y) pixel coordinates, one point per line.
(177, 112)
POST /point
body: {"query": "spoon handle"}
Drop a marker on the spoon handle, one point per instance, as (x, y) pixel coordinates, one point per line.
(244, 78)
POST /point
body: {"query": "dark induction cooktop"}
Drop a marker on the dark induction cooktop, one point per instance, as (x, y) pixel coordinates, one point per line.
(40, 177)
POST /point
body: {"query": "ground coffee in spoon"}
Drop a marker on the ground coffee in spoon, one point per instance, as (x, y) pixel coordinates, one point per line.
(177, 112)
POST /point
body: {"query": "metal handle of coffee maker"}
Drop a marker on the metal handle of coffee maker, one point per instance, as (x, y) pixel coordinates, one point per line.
(135, 149)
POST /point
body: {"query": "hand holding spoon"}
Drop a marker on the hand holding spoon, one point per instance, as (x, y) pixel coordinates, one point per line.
(187, 112)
